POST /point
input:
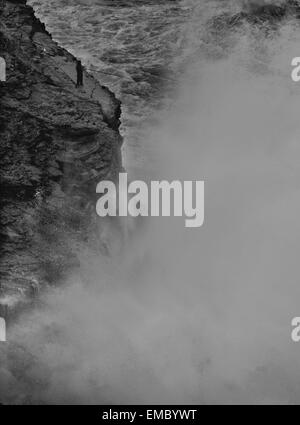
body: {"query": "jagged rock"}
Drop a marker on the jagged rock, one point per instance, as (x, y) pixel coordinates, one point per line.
(55, 139)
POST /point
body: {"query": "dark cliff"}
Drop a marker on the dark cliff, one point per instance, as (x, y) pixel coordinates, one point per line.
(57, 143)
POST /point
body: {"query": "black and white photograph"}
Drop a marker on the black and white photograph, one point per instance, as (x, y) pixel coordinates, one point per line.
(149, 205)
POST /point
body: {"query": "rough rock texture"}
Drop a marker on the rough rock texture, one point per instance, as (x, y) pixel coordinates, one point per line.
(258, 13)
(57, 143)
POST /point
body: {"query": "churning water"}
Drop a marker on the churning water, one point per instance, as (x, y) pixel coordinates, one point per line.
(181, 315)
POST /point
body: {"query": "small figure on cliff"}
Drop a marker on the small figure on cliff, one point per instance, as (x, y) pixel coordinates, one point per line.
(79, 71)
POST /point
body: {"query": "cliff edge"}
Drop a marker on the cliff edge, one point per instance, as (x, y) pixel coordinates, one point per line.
(57, 143)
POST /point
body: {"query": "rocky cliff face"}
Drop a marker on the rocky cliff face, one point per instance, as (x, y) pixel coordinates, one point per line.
(57, 143)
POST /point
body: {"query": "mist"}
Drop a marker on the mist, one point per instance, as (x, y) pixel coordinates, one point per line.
(181, 315)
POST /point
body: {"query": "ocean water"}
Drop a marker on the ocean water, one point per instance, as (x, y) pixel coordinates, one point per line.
(180, 315)
(140, 49)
